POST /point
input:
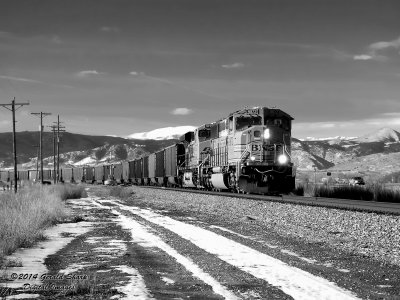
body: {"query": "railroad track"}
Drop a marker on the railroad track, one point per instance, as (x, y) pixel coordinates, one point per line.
(346, 204)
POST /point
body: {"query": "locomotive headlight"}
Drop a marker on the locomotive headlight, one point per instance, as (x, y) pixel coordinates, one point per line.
(252, 158)
(266, 133)
(282, 159)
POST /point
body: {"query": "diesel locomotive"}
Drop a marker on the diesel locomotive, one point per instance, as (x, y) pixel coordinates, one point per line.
(248, 151)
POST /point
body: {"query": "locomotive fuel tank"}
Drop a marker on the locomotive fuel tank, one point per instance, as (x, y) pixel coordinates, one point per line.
(220, 181)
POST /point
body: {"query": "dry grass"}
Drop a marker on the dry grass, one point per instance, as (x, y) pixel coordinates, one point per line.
(24, 215)
(114, 191)
(344, 192)
(386, 195)
(373, 192)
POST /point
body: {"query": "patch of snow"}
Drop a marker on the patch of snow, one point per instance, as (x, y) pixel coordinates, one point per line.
(112, 249)
(167, 280)
(32, 259)
(292, 281)
(23, 296)
(136, 288)
(311, 261)
(267, 244)
(344, 270)
(93, 239)
(250, 295)
(230, 231)
(142, 236)
(75, 268)
(342, 138)
(86, 161)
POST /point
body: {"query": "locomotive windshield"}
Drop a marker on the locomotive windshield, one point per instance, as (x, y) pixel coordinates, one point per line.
(244, 122)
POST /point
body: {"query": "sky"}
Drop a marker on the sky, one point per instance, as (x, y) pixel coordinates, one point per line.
(119, 67)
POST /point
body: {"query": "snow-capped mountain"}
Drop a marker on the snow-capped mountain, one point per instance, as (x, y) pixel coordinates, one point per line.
(377, 152)
(165, 133)
(342, 138)
(385, 134)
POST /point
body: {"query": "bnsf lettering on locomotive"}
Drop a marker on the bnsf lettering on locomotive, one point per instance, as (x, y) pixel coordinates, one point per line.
(256, 147)
(269, 147)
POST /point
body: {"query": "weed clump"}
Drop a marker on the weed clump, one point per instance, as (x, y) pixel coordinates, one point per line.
(121, 192)
(69, 191)
(369, 193)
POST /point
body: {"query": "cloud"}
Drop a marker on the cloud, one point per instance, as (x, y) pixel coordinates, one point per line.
(110, 29)
(20, 79)
(236, 65)
(56, 40)
(362, 57)
(182, 111)
(4, 34)
(5, 123)
(375, 50)
(134, 73)
(348, 128)
(384, 45)
(88, 73)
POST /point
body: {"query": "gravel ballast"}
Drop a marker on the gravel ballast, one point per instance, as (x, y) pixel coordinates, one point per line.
(368, 234)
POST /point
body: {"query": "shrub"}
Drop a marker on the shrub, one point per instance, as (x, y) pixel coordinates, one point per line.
(100, 153)
(69, 191)
(120, 192)
(120, 152)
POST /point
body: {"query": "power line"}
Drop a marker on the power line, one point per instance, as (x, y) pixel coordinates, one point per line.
(13, 109)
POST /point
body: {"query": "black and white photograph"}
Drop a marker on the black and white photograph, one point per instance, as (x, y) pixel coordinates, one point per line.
(200, 149)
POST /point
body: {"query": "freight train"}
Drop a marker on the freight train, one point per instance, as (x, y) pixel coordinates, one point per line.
(248, 151)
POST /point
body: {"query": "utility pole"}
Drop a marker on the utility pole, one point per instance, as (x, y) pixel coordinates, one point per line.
(13, 109)
(59, 129)
(53, 129)
(37, 162)
(42, 115)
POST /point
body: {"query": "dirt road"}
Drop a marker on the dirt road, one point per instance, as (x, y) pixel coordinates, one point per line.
(134, 249)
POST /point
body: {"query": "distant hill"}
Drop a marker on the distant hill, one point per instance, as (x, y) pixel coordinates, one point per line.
(70, 142)
(374, 153)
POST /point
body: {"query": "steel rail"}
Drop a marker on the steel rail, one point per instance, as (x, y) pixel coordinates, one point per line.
(345, 204)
